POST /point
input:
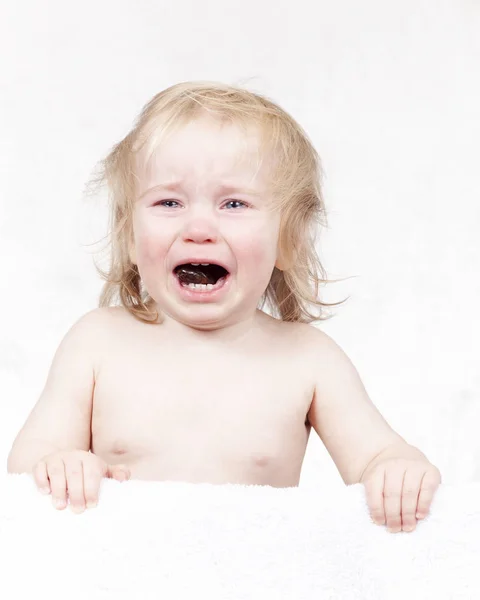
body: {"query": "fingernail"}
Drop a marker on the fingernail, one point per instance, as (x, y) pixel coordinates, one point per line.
(44, 490)
(420, 515)
(77, 509)
(58, 503)
(393, 529)
(408, 528)
(91, 504)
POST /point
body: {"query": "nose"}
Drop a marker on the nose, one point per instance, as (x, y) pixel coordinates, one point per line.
(200, 228)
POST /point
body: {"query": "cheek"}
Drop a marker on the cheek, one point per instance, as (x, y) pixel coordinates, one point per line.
(257, 250)
(150, 246)
(256, 253)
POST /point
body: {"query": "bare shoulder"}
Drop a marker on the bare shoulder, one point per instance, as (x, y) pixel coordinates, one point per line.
(311, 341)
(275, 327)
(318, 351)
(100, 324)
(323, 350)
(323, 357)
(95, 321)
(100, 334)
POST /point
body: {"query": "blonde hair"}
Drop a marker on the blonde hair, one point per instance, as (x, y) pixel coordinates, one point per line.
(293, 292)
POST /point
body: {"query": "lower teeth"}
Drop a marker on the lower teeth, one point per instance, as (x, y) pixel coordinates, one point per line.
(202, 287)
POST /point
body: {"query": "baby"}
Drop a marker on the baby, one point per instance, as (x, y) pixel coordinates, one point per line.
(201, 363)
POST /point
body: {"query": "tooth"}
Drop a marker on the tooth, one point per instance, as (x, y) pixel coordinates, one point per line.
(195, 264)
(197, 286)
(205, 264)
(204, 287)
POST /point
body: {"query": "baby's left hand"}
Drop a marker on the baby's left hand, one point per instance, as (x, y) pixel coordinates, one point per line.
(399, 491)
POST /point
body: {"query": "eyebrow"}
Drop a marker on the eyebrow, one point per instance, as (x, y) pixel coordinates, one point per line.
(223, 188)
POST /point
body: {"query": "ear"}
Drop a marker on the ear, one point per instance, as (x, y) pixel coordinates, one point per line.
(286, 258)
(281, 262)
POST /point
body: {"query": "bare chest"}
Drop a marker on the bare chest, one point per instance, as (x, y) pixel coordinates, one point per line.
(201, 418)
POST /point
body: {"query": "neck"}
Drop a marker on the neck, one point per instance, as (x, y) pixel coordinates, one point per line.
(238, 332)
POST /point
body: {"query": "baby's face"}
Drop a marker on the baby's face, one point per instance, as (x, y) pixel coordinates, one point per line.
(217, 212)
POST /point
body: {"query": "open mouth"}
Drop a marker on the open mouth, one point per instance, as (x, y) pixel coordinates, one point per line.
(202, 277)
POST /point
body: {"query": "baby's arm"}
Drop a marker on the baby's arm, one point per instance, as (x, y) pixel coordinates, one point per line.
(362, 444)
(54, 443)
(346, 420)
(60, 420)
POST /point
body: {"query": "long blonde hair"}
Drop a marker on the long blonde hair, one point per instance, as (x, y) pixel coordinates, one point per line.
(293, 292)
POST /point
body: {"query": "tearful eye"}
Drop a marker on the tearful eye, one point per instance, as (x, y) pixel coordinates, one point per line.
(239, 203)
(167, 203)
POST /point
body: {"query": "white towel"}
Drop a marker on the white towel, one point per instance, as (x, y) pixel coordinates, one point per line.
(174, 540)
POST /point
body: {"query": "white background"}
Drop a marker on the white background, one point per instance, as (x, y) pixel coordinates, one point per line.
(389, 93)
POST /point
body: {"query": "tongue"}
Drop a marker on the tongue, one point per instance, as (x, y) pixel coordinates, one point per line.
(191, 275)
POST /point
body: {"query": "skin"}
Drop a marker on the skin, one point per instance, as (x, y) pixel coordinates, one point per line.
(216, 391)
(198, 218)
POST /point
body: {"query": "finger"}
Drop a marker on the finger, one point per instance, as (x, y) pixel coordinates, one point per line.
(74, 475)
(411, 489)
(40, 476)
(429, 485)
(58, 483)
(118, 472)
(392, 498)
(374, 495)
(92, 476)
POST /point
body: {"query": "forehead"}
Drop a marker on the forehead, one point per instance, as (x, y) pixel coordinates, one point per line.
(206, 149)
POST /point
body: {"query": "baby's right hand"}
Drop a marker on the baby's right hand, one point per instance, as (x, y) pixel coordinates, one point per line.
(76, 474)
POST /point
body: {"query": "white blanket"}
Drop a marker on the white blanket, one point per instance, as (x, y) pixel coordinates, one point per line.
(171, 540)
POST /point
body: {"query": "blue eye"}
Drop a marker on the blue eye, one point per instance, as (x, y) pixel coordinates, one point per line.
(230, 204)
(238, 202)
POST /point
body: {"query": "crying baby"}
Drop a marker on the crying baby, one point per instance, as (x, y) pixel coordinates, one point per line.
(205, 360)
